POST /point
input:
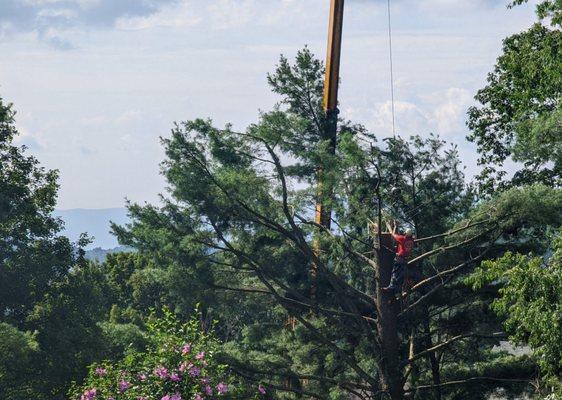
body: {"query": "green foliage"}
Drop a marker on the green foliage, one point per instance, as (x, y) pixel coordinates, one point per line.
(546, 9)
(530, 300)
(32, 256)
(422, 171)
(301, 130)
(118, 338)
(524, 214)
(541, 139)
(519, 111)
(179, 362)
(236, 231)
(18, 352)
(45, 286)
(66, 320)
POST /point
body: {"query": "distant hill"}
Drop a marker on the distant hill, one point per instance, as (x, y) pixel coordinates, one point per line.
(99, 254)
(93, 222)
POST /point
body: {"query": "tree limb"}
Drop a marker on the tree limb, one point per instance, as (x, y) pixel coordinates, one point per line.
(466, 381)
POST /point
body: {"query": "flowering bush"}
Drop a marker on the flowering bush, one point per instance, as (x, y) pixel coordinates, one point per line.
(178, 364)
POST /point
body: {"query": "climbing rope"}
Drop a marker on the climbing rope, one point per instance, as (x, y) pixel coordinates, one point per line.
(391, 69)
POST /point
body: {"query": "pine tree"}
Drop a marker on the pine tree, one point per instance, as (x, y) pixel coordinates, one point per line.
(239, 218)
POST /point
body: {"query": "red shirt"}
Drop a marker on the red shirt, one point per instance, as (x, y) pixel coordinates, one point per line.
(405, 245)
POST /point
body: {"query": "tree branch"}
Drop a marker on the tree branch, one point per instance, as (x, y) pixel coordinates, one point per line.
(452, 232)
(443, 249)
(439, 346)
(466, 381)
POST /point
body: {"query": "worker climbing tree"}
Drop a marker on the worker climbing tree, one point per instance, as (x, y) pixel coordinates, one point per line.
(404, 249)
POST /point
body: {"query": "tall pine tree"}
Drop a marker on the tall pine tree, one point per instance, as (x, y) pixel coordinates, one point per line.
(238, 220)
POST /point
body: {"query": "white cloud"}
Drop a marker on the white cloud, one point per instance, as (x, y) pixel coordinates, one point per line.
(409, 118)
(178, 15)
(97, 111)
(441, 112)
(41, 16)
(228, 14)
(449, 116)
(225, 14)
(27, 139)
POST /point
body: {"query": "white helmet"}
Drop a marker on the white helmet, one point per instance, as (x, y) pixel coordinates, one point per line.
(409, 232)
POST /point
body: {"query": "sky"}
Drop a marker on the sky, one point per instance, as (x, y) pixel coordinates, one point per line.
(96, 83)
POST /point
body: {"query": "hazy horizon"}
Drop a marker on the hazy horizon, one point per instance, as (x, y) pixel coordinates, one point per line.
(95, 222)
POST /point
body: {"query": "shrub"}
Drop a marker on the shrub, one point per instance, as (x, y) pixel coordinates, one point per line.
(178, 364)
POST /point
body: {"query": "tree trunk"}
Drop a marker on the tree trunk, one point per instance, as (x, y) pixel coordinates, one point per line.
(435, 373)
(387, 324)
(413, 367)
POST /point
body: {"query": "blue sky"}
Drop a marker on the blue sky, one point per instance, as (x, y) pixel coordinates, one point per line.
(97, 82)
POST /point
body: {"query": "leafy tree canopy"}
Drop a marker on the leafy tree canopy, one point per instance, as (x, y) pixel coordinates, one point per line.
(46, 287)
(529, 300)
(18, 352)
(519, 111)
(32, 256)
(546, 9)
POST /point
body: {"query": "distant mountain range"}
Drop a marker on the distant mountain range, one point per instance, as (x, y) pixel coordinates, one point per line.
(98, 254)
(93, 222)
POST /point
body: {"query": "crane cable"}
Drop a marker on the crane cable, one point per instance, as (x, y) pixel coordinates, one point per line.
(391, 70)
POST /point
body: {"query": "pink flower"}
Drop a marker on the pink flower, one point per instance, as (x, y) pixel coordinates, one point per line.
(208, 390)
(184, 366)
(161, 372)
(123, 386)
(186, 348)
(200, 356)
(143, 377)
(142, 398)
(198, 397)
(174, 377)
(261, 389)
(194, 371)
(176, 396)
(205, 381)
(89, 394)
(101, 371)
(222, 388)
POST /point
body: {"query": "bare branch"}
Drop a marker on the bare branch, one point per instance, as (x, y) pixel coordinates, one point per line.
(285, 389)
(349, 359)
(467, 381)
(294, 302)
(447, 274)
(452, 232)
(236, 289)
(449, 271)
(497, 335)
(286, 210)
(278, 372)
(443, 249)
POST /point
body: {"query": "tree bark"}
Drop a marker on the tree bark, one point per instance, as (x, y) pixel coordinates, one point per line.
(387, 323)
(413, 367)
(435, 373)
